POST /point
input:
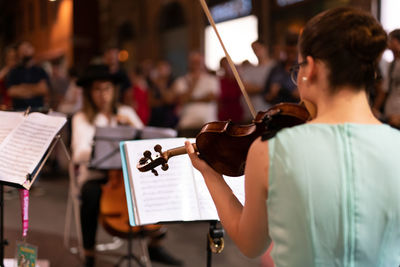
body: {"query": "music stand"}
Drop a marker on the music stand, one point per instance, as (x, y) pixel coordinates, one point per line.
(105, 152)
(106, 155)
(33, 176)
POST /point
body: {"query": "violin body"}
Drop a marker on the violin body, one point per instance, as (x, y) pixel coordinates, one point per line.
(224, 145)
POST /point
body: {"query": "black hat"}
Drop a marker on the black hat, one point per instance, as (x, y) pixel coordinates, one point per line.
(98, 72)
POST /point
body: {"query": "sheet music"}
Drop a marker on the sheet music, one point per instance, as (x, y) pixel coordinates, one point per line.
(178, 194)
(170, 196)
(23, 148)
(206, 204)
(9, 120)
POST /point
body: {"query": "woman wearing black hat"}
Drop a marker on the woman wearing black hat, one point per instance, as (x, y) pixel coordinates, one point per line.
(100, 108)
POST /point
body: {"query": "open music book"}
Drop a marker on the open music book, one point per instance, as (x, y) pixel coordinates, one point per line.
(178, 194)
(24, 140)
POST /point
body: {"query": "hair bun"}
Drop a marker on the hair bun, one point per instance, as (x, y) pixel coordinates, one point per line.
(367, 42)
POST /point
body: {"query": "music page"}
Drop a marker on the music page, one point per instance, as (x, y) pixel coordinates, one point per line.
(206, 204)
(24, 147)
(9, 120)
(171, 195)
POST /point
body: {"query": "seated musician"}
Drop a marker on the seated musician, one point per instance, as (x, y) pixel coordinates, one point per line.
(100, 108)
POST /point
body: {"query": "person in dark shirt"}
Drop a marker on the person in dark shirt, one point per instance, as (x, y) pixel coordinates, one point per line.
(27, 83)
(111, 59)
(279, 87)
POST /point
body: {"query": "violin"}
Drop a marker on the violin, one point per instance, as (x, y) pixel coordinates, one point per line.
(224, 144)
(114, 211)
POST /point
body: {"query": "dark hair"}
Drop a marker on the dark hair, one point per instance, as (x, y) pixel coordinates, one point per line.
(90, 109)
(96, 73)
(349, 41)
(395, 34)
(291, 39)
(259, 41)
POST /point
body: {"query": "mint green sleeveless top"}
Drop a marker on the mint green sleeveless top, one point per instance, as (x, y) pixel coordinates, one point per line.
(334, 196)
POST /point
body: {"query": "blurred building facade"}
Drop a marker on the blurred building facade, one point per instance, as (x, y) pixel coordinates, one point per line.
(79, 30)
(48, 25)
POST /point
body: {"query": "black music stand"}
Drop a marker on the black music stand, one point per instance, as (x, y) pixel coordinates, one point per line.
(105, 152)
(106, 156)
(32, 177)
(215, 240)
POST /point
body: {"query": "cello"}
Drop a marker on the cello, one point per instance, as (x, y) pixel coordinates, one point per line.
(114, 210)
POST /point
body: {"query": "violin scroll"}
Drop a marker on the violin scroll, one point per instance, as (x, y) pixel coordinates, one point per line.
(147, 163)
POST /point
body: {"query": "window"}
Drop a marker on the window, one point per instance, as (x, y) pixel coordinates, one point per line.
(237, 35)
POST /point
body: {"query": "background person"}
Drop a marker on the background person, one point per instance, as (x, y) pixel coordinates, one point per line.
(255, 76)
(392, 88)
(100, 108)
(28, 84)
(197, 92)
(9, 63)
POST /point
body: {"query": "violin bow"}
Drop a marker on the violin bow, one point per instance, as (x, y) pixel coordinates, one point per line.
(231, 64)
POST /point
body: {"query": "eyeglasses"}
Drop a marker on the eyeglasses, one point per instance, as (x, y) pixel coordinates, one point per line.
(294, 71)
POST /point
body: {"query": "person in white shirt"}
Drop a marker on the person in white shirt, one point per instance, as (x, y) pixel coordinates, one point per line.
(254, 78)
(100, 108)
(197, 92)
(392, 105)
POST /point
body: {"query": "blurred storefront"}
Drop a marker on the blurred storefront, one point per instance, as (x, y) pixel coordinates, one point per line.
(80, 30)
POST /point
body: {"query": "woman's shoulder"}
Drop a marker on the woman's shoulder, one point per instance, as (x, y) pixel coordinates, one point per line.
(80, 115)
(131, 113)
(312, 133)
(125, 109)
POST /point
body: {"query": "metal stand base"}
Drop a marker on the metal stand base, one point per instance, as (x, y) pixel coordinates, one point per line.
(215, 241)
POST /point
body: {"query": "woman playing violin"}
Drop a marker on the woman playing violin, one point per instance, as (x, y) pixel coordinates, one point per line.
(325, 192)
(101, 109)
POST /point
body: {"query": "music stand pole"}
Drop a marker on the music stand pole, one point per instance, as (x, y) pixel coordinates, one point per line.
(215, 241)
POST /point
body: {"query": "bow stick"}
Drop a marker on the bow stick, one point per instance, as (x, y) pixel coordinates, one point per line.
(231, 64)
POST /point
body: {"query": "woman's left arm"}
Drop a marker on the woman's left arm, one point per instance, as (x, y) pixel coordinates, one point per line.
(247, 225)
(127, 116)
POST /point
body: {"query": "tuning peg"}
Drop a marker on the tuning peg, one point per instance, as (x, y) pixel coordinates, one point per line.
(143, 160)
(158, 148)
(164, 167)
(147, 155)
(154, 172)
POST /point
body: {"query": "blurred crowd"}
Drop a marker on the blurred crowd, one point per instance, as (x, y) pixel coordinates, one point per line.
(150, 94)
(185, 103)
